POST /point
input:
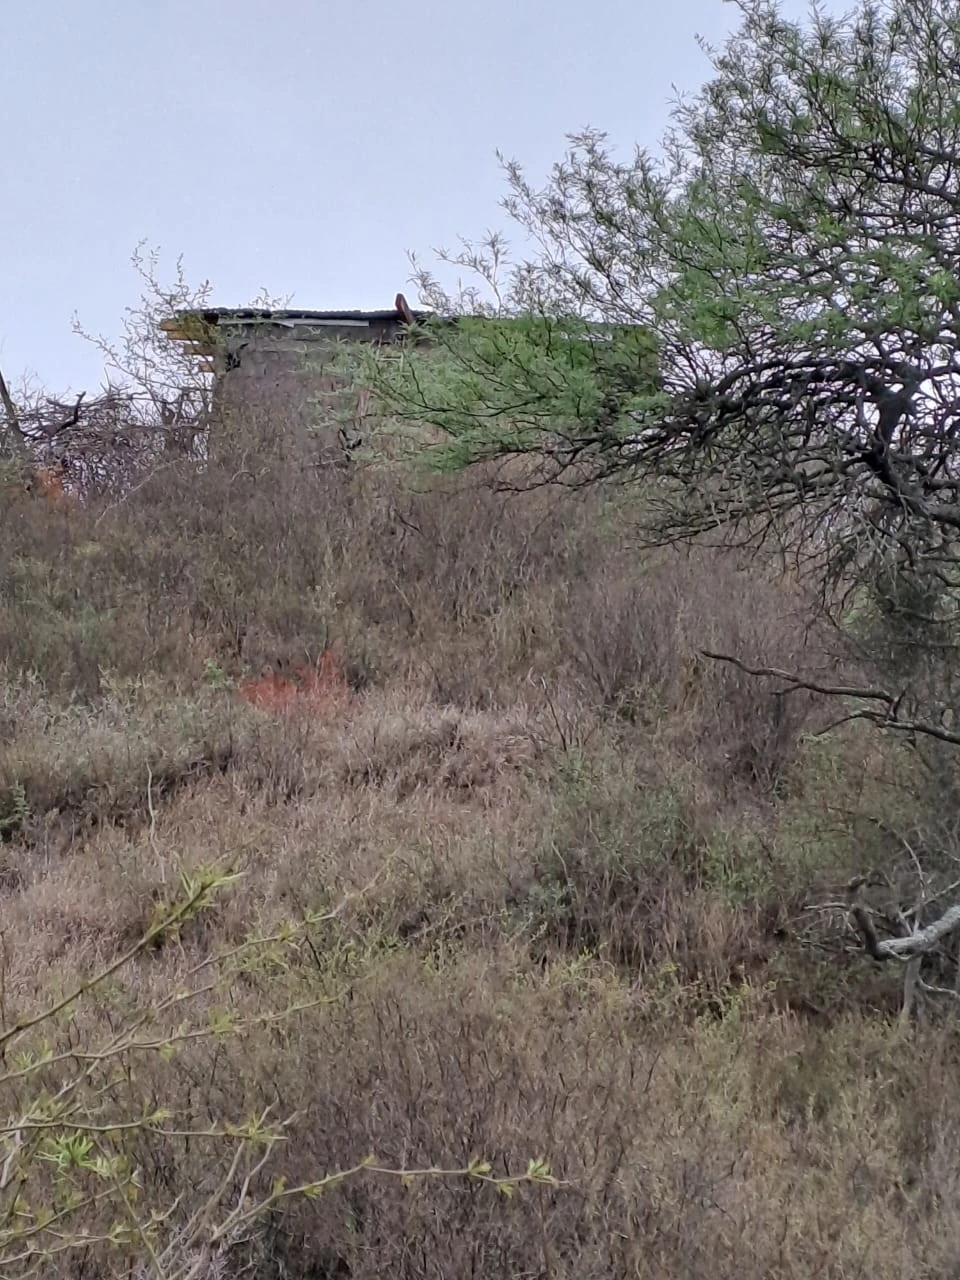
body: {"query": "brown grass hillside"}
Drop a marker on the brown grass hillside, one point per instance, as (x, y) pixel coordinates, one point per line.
(513, 874)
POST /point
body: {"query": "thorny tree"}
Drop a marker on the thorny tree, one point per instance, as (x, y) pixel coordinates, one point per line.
(153, 408)
(155, 404)
(760, 325)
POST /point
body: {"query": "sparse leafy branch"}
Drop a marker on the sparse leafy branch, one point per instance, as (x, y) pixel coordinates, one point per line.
(142, 360)
(245, 1213)
(71, 1153)
(200, 890)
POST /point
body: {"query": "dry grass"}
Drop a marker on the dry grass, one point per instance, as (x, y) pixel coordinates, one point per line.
(573, 860)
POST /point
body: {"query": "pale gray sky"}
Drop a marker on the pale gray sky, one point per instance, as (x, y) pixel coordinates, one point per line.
(300, 145)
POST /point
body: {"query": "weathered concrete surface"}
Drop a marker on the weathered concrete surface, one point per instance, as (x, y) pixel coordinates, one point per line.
(287, 382)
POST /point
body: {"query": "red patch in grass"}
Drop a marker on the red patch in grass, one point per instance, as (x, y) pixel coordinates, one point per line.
(321, 687)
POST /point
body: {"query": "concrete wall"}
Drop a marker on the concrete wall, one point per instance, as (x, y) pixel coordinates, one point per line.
(273, 378)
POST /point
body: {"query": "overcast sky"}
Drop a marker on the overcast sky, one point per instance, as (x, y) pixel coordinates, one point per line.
(299, 145)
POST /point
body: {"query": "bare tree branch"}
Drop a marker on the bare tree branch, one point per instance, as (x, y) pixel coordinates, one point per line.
(918, 942)
(887, 719)
(914, 944)
(10, 409)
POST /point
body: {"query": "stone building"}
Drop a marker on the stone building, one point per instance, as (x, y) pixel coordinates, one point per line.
(286, 367)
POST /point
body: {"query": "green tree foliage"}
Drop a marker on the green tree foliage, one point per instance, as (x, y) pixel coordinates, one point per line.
(761, 322)
(530, 384)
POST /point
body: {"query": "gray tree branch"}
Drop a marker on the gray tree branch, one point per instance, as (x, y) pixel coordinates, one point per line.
(887, 716)
(13, 418)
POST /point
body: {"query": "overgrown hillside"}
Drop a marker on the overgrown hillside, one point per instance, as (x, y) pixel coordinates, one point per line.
(424, 831)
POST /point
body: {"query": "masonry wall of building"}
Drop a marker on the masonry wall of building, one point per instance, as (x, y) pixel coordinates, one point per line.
(275, 380)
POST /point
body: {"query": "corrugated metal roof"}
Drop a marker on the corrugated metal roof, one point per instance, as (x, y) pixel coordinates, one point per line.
(198, 327)
(218, 314)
